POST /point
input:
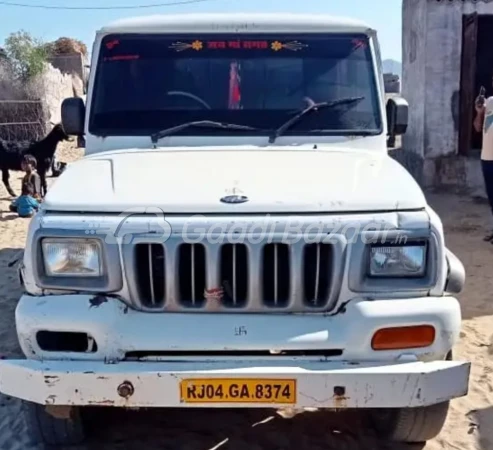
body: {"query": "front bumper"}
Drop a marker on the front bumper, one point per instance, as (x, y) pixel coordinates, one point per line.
(318, 384)
(358, 377)
(118, 329)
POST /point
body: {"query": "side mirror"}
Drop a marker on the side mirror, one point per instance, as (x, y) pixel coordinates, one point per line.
(73, 116)
(397, 115)
(397, 110)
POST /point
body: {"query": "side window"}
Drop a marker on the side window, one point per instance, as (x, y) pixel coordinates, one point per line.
(115, 82)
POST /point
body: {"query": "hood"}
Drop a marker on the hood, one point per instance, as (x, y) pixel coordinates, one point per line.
(274, 180)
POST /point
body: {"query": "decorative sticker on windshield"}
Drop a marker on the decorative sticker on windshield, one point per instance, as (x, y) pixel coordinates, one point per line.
(292, 45)
(275, 46)
(180, 46)
(110, 45)
(358, 43)
(121, 58)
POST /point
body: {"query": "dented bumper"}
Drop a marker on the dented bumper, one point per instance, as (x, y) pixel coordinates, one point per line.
(159, 384)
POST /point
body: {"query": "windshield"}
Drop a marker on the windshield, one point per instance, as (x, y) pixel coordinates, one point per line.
(147, 83)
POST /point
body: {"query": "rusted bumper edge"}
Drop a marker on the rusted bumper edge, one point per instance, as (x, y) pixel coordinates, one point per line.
(152, 384)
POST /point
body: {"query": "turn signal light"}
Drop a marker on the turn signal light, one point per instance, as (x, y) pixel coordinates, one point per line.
(399, 338)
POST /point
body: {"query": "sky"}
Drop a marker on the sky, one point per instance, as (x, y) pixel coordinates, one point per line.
(49, 25)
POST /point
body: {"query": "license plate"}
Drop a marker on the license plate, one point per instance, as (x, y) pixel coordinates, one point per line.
(237, 390)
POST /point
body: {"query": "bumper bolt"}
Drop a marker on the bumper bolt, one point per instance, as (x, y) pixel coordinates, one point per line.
(125, 389)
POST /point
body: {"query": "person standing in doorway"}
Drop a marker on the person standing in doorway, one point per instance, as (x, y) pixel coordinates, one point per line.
(484, 122)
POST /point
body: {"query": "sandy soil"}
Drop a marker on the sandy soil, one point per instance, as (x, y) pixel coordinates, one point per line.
(467, 425)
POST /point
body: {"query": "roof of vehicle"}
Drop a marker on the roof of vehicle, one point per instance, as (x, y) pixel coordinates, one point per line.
(237, 23)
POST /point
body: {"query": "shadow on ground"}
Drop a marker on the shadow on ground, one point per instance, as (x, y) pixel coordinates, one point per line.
(10, 292)
(6, 217)
(231, 429)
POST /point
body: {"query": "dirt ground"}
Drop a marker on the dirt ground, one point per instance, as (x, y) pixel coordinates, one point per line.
(470, 421)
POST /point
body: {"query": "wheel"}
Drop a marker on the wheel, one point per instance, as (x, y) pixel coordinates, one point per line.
(57, 428)
(411, 425)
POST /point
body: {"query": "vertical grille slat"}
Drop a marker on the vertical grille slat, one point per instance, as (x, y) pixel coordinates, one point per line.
(192, 269)
(317, 263)
(235, 275)
(153, 296)
(255, 274)
(296, 275)
(276, 273)
(192, 275)
(317, 273)
(150, 269)
(172, 287)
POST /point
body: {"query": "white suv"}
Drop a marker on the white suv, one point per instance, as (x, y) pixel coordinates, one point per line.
(237, 235)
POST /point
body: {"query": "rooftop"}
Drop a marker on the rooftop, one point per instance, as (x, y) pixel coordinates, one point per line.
(237, 23)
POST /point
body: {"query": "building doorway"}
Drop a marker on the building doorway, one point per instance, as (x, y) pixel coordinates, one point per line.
(476, 71)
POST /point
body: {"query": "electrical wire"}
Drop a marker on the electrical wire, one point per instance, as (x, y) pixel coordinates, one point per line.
(154, 5)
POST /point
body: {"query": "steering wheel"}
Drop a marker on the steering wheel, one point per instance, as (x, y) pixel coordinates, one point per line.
(189, 95)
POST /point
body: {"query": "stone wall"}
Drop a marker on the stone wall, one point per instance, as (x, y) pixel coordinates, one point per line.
(28, 111)
(71, 64)
(51, 88)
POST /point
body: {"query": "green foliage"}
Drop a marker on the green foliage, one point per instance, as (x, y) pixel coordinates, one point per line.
(27, 55)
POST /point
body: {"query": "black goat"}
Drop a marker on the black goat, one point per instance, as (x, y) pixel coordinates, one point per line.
(11, 154)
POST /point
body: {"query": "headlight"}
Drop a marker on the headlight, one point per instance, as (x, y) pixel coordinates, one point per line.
(72, 257)
(398, 261)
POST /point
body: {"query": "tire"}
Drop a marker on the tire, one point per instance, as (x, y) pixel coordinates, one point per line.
(53, 431)
(411, 425)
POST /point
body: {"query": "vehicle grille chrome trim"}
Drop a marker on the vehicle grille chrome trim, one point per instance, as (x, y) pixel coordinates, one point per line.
(222, 279)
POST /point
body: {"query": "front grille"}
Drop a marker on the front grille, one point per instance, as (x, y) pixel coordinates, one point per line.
(203, 277)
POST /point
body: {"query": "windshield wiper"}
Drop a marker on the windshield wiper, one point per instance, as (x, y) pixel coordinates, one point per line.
(312, 107)
(200, 124)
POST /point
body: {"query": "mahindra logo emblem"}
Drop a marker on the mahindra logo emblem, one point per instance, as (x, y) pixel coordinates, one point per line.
(234, 199)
